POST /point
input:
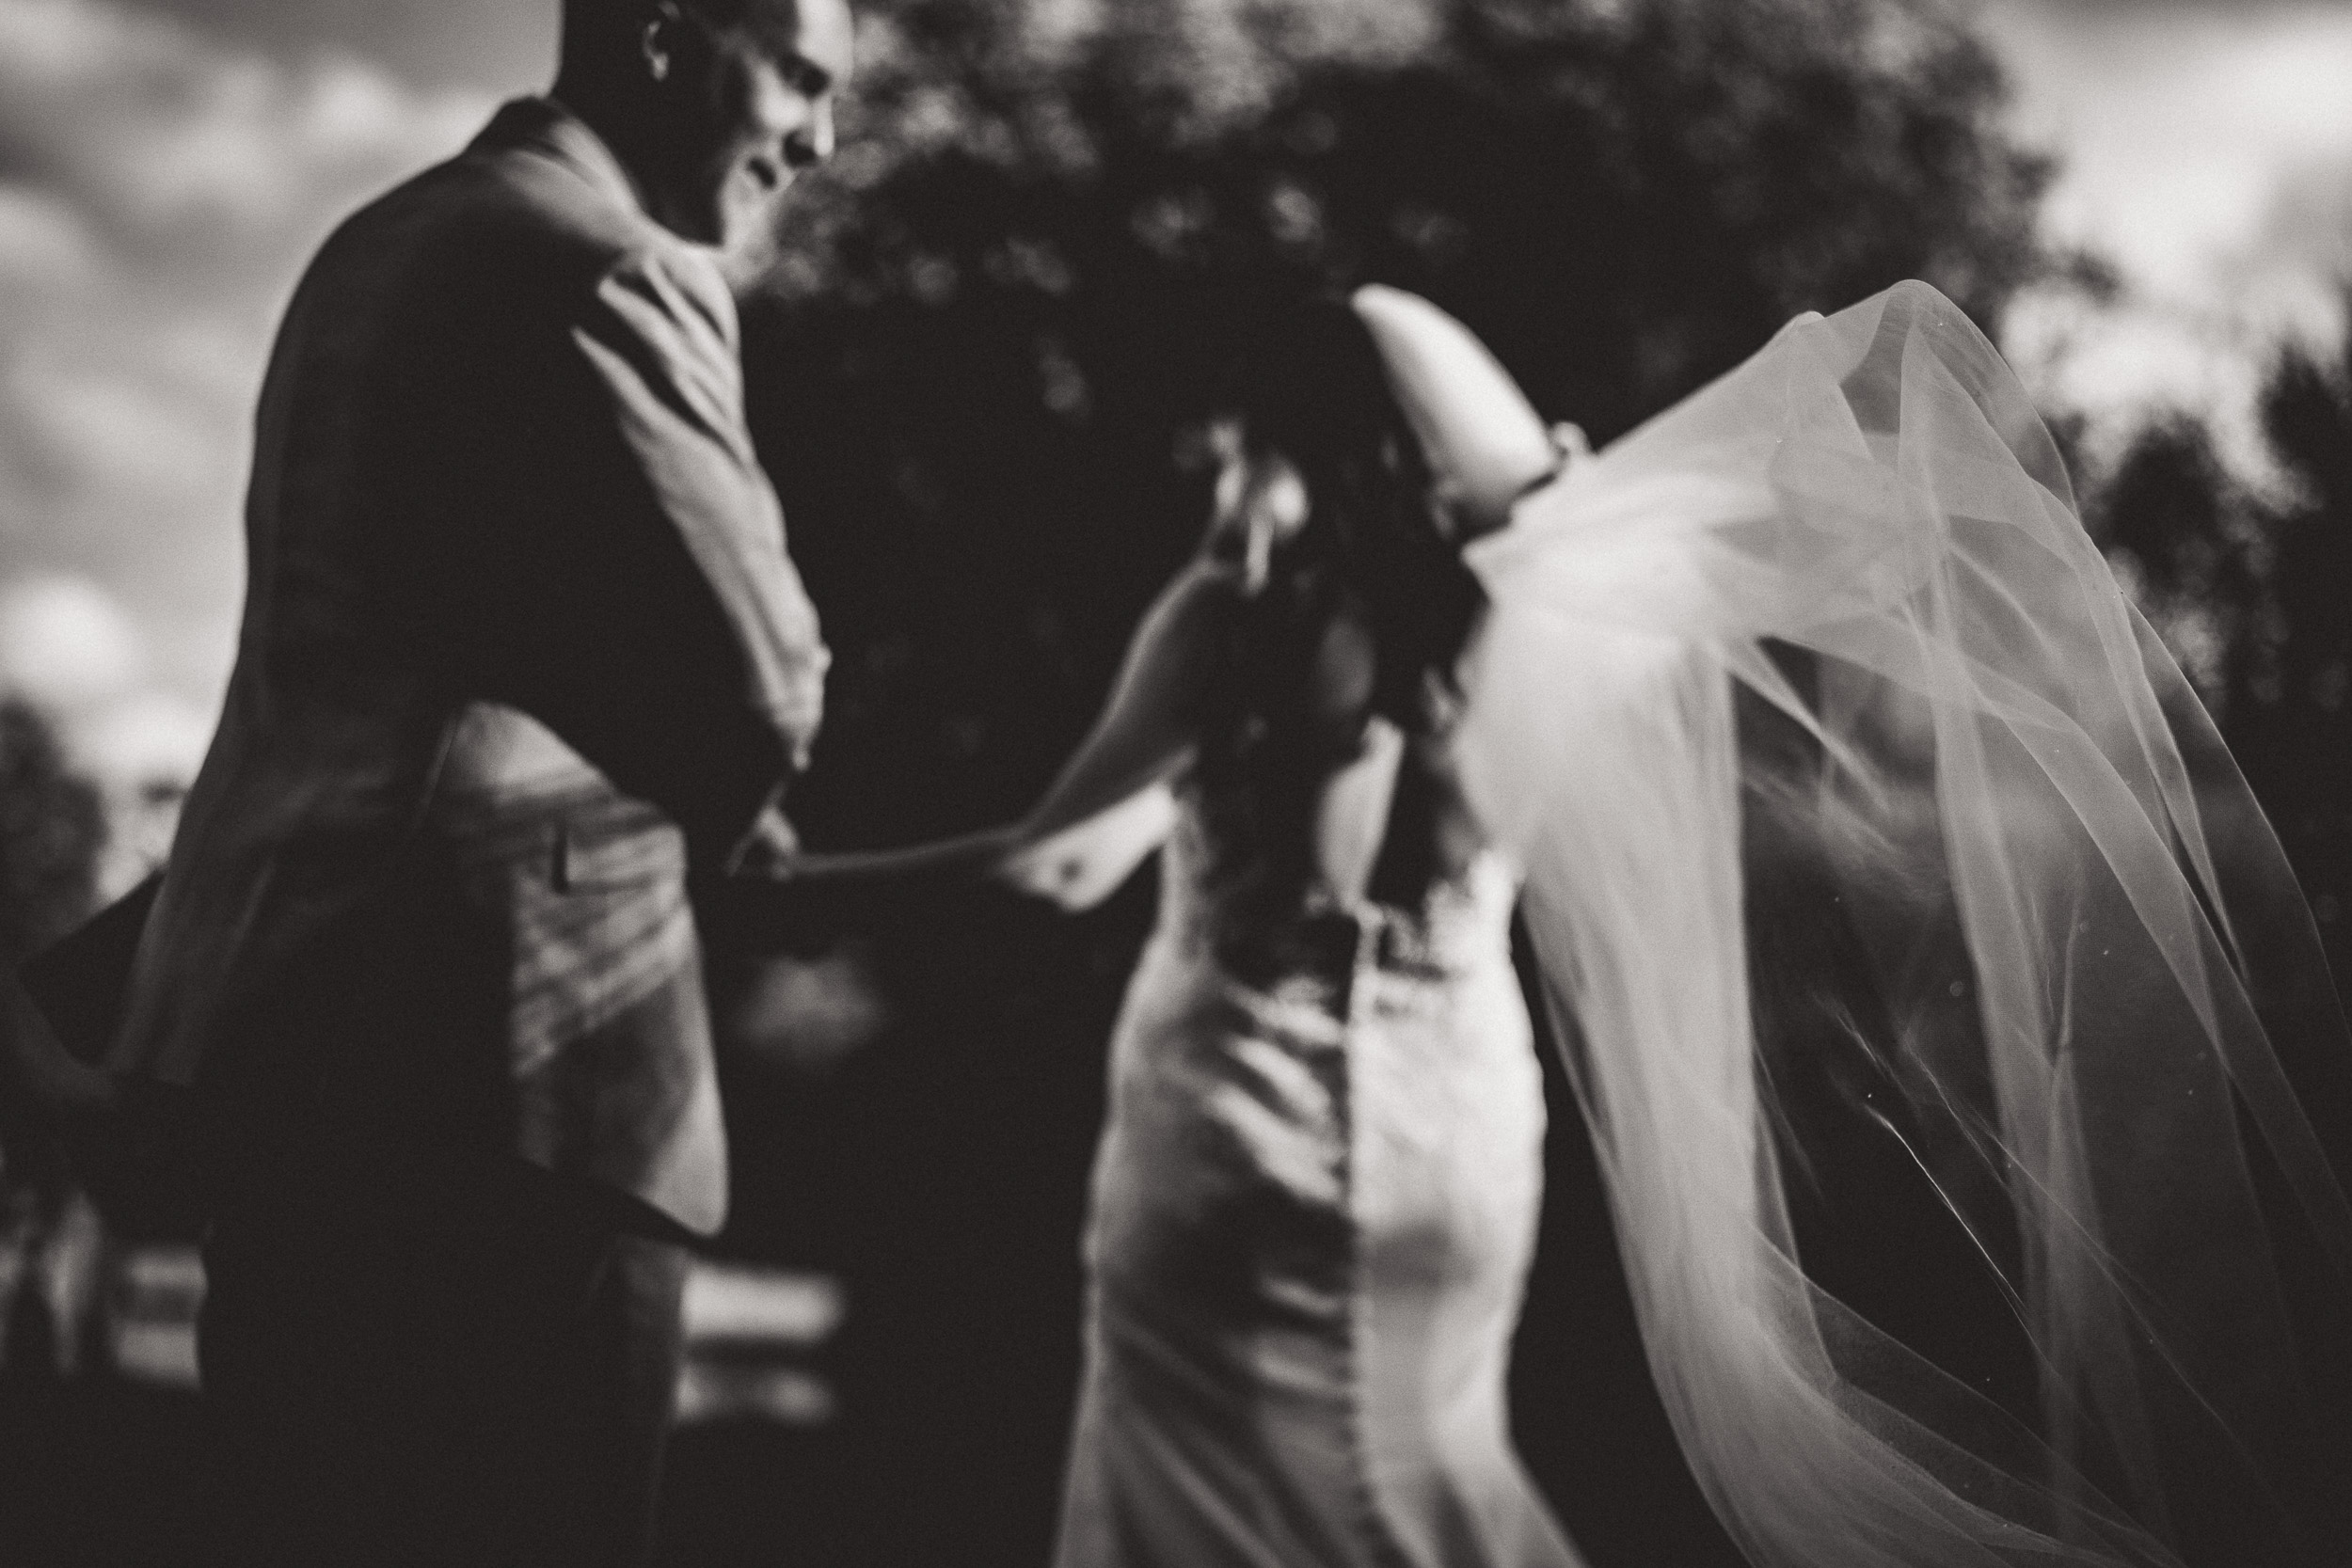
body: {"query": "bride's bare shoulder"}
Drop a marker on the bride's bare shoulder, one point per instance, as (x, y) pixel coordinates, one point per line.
(1200, 598)
(1212, 577)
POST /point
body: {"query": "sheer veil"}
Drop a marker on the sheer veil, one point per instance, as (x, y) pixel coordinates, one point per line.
(1832, 625)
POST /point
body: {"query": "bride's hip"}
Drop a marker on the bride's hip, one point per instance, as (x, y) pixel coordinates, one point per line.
(1190, 1016)
(1257, 1137)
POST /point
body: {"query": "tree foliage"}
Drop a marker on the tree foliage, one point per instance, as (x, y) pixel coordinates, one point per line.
(1054, 222)
(51, 830)
(2191, 545)
(2290, 718)
(2249, 589)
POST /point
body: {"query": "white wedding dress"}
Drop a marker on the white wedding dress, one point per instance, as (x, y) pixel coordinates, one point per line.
(2087, 956)
(1314, 1207)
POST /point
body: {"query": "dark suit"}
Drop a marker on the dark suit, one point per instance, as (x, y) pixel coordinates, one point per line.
(521, 642)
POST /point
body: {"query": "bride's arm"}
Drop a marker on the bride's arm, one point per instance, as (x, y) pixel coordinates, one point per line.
(1081, 865)
(1109, 806)
(970, 852)
(1145, 729)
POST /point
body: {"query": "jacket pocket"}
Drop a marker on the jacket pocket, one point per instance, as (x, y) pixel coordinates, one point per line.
(590, 855)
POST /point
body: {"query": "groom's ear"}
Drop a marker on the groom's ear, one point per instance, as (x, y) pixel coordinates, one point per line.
(659, 38)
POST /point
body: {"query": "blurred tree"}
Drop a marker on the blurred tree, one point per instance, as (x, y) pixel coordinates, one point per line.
(51, 829)
(2192, 546)
(1006, 304)
(2291, 713)
(2250, 593)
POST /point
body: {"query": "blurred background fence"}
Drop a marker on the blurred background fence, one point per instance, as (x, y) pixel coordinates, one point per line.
(978, 370)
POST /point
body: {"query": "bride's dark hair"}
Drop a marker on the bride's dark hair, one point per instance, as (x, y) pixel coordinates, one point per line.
(1312, 388)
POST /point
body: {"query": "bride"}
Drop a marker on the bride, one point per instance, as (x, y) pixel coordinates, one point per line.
(1836, 604)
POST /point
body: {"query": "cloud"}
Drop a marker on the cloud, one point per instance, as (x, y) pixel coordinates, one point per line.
(162, 194)
(170, 141)
(42, 237)
(68, 649)
(2206, 150)
(66, 645)
(502, 48)
(2291, 274)
(2179, 125)
(143, 753)
(2116, 364)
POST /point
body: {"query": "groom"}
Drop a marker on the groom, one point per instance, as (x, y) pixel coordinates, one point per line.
(522, 646)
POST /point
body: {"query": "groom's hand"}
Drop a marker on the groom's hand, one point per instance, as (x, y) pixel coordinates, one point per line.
(767, 851)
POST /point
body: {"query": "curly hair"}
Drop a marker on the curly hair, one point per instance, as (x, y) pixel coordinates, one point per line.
(1312, 388)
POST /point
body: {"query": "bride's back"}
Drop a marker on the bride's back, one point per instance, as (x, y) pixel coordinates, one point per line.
(1311, 786)
(1326, 772)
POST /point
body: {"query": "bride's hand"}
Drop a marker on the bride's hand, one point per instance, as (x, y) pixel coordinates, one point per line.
(974, 854)
(1086, 863)
(804, 866)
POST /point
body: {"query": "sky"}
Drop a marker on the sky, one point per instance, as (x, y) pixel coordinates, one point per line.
(166, 167)
(2207, 154)
(162, 178)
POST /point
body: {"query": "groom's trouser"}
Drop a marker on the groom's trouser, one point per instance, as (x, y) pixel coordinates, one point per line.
(433, 1365)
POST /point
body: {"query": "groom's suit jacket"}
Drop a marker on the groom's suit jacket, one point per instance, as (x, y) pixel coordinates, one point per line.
(520, 643)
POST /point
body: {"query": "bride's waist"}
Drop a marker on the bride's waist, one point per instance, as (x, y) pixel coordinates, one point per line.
(1335, 944)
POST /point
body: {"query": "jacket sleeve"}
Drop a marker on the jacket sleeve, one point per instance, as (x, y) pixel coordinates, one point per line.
(667, 635)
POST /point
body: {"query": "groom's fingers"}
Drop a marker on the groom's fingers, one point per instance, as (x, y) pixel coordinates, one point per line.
(769, 849)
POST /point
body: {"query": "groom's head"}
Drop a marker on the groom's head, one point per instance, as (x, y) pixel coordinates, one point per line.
(714, 106)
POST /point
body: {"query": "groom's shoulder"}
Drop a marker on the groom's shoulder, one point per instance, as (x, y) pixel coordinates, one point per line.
(516, 227)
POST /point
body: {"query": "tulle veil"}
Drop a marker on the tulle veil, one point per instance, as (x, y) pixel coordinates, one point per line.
(1832, 624)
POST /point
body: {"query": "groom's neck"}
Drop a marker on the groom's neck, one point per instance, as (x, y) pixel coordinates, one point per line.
(627, 130)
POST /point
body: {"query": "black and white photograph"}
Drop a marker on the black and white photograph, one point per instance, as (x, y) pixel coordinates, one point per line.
(1175, 784)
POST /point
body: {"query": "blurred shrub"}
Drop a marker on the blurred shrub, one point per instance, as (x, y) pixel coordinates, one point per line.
(2251, 590)
(2290, 710)
(2192, 545)
(51, 831)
